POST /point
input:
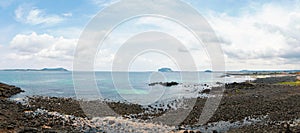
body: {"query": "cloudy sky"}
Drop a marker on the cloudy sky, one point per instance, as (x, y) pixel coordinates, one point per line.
(254, 34)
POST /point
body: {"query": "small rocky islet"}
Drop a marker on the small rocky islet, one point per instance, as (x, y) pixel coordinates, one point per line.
(264, 103)
(165, 84)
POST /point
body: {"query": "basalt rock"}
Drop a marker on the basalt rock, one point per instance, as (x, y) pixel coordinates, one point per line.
(236, 85)
(7, 91)
(166, 84)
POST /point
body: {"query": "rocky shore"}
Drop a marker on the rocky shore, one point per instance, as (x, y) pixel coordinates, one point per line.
(7, 91)
(263, 105)
(16, 117)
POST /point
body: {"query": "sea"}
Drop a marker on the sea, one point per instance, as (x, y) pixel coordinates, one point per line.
(115, 86)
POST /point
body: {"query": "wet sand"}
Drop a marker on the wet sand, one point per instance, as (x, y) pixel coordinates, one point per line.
(275, 107)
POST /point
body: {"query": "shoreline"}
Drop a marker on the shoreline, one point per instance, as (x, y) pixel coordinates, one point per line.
(263, 99)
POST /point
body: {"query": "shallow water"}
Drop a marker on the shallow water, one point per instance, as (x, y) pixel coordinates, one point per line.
(134, 88)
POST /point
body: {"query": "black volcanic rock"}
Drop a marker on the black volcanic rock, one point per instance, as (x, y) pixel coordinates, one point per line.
(7, 91)
(274, 80)
(205, 91)
(166, 84)
(243, 85)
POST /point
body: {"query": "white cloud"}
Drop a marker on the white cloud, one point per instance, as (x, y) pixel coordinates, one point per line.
(127, 31)
(41, 48)
(104, 3)
(266, 37)
(270, 33)
(35, 16)
(68, 32)
(69, 14)
(31, 43)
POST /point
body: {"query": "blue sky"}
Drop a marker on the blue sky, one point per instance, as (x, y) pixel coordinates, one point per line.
(37, 34)
(80, 11)
(83, 10)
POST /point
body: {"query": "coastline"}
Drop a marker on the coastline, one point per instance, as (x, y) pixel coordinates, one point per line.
(274, 107)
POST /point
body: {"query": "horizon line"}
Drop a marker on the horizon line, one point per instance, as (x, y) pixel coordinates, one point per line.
(241, 70)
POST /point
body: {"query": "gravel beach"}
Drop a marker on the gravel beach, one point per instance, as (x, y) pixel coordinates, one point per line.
(262, 105)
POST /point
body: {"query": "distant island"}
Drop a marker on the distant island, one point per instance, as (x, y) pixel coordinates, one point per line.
(44, 69)
(208, 71)
(54, 69)
(165, 69)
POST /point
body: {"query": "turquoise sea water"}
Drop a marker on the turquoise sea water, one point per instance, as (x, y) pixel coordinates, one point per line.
(60, 84)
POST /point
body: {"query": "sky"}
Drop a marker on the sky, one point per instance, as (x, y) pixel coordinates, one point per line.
(253, 34)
